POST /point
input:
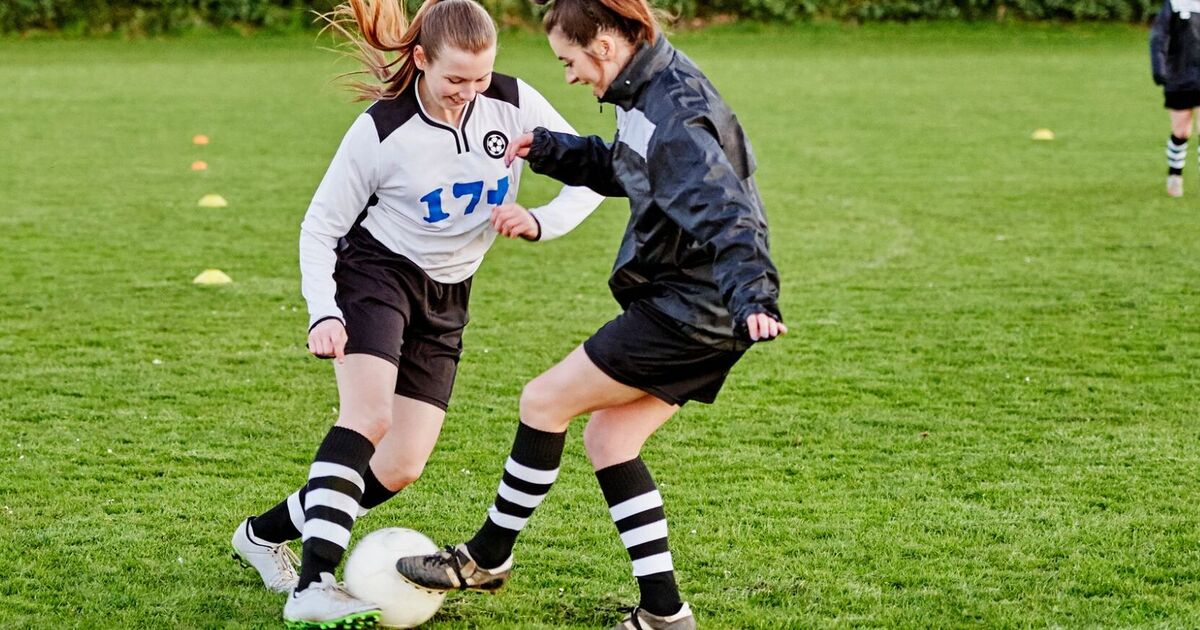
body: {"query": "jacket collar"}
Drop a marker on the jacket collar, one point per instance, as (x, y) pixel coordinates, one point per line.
(642, 67)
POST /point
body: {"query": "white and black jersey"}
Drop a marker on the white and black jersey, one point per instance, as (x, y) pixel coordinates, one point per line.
(425, 190)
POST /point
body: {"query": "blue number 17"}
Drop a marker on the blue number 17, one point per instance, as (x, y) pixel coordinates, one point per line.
(433, 200)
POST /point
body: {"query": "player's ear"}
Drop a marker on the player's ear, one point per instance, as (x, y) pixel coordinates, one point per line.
(419, 58)
(603, 46)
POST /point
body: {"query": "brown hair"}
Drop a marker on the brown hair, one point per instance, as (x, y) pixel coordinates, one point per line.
(581, 20)
(373, 30)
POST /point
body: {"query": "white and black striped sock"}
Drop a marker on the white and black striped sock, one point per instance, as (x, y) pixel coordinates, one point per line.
(637, 509)
(331, 502)
(1176, 154)
(285, 521)
(528, 475)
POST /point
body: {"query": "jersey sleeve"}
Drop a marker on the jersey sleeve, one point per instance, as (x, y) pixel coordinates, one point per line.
(343, 193)
(573, 203)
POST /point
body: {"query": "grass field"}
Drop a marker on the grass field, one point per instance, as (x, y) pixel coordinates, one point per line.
(985, 413)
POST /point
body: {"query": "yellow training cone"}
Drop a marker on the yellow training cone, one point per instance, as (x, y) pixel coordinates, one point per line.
(212, 201)
(200, 139)
(1043, 134)
(212, 276)
(199, 165)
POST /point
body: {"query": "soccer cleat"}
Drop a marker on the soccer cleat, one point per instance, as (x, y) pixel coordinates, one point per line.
(1174, 185)
(276, 563)
(453, 569)
(327, 605)
(639, 619)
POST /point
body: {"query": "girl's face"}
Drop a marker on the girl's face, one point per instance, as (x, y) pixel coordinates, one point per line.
(596, 64)
(456, 76)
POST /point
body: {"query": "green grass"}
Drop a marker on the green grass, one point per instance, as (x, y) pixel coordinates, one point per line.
(985, 413)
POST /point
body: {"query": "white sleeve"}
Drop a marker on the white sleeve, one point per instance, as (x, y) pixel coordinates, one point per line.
(344, 191)
(573, 203)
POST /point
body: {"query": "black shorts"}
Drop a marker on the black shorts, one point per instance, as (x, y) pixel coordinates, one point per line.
(1183, 99)
(395, 311)
(646, 349)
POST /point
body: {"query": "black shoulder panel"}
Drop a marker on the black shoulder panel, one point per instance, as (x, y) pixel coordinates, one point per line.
(504, 88)
(389, 115)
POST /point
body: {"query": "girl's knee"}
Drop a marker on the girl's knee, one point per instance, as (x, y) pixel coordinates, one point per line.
(373, 424)
(538, 406)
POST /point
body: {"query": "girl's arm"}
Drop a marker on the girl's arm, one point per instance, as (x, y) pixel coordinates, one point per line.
(694, 183)
(1159, 43)
(573, 203)
(344, 194)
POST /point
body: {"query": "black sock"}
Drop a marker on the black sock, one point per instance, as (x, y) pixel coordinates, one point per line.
(637, 509)
(335, 487)
(375, 493)
(528, 474)
(282, 522)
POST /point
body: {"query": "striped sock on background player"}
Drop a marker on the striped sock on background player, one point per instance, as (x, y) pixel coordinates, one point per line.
(529, 472)
(637, 509)
(1176, 154)
(331, 503)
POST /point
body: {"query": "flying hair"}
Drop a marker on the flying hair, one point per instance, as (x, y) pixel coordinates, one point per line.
(378, 35)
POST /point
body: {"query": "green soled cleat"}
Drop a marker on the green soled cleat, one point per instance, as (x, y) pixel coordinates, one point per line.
(326, 605)
(453, 569)
(360, 621)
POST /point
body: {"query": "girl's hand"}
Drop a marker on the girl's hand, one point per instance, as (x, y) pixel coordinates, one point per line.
(513, 221)
(518, 148)
(327, 340)
(763, 327)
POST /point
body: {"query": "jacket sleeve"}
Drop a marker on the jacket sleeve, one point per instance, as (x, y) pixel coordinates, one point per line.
(694, 183)
(573, 204)
(574, 161)
(1160, 36)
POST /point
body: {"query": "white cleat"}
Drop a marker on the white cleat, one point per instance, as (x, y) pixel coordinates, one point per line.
(327, 604)
(276, 563)
(1174, 185)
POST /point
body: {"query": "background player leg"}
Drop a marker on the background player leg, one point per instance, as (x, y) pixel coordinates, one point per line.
(1177, 146)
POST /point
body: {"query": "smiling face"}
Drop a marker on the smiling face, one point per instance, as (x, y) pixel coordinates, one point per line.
(596, 64)
(581, 68)
(455, 77)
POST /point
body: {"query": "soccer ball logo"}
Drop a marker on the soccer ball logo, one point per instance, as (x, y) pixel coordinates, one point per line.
(495, 144)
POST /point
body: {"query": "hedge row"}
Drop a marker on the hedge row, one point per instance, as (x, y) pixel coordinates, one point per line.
(162, 16)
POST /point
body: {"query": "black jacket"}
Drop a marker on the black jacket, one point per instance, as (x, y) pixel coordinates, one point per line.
(1175, 47)
(695, 248)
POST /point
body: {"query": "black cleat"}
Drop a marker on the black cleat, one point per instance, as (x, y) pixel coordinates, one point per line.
(453, 569)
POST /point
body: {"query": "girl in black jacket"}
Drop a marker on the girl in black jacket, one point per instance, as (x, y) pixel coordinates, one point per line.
(693, 274)
(1175, 65)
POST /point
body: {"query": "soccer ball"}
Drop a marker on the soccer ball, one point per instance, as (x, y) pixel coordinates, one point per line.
(371, 575)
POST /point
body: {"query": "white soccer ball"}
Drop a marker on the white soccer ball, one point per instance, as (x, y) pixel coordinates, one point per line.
(371, 575)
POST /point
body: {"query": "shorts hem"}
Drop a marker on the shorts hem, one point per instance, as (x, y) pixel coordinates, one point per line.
(622, 379)
(425, 398)
(390, 358)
